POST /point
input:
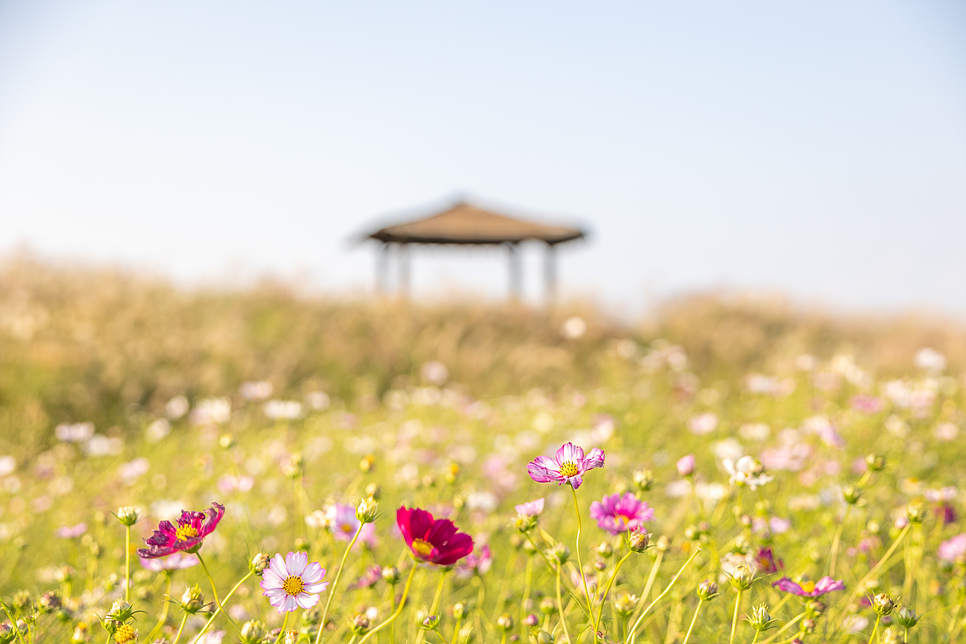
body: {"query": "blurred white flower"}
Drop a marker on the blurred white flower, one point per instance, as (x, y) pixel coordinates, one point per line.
(754, 431)
(728, 448)
(930, 360)
(573, 328)
(703, 423)
(317, 400)
(74, 432)
(946, 432)
(434, 372)
(255, 390)
(176, 407)
(101, 445)
(132, 470)
(211, 411)
(283, 409)
(7, 465)
(157, 430)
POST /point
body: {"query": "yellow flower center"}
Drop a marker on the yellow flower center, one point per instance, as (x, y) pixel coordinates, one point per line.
(569, 468)
(348, 529)
(125, 634)
(185, 532)
(422, 548)
(292, 585)
(808, 586)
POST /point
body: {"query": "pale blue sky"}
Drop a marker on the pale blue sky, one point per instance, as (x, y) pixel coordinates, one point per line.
(815, 148)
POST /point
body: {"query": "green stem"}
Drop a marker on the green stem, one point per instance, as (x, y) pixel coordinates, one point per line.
(560, 609)
(580, 567)
(227, 597)
(633, 631)
(734, 621)
(528, 579)
(281, 631)
(784, 628)
(392, 618)
(335, 584)
(436, 597)
(214, 591)
(180, 628)
(835, 542)
(610, 582)
(875, 628)
(693, 620)
(164, 611)
(127, 564)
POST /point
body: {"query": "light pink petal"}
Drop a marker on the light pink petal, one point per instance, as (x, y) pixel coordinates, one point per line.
(271, 580)
(312, 573)
(288, 604)
(570, 452)
(296, 562)
(277, 565)
(541, 474)
(594, 459)
(316, 588)
(575, 481)
(306, 600)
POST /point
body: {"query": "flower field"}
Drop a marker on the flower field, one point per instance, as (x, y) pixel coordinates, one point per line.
(260, 465)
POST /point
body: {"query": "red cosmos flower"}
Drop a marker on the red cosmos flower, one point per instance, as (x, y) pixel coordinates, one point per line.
(190, 532)
(435, 541)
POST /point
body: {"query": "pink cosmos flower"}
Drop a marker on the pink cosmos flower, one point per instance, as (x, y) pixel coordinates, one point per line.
(192, 529)
(293, 582)
(765, 559)
(368, 579)
(569, 466)
(685, 465)
(71, 531)
(617, 514)
(477, 563)
(953, 549)
(177, 561)
(344, 524)
(809, 588)
(531, 508)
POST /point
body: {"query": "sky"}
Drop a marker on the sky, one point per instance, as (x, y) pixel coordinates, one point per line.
(815, 149)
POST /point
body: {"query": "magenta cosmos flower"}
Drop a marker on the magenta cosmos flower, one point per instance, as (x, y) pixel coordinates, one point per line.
(477, 563)
(293, 582)
(809, 588)
(188, 536)
(569, 465)
(435, 541)
(617, 514)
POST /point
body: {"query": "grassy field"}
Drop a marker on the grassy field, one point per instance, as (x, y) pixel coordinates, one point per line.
(121, 390)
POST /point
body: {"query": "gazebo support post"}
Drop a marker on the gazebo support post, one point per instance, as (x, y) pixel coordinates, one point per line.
(404, 271)
(382, 269)
(516, 271)
(550, 275)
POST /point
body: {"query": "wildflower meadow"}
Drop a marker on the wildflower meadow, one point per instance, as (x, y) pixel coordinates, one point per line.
(259, 467)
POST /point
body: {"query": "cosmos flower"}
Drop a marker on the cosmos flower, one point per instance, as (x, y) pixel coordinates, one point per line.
(685, 465)
(766, 561)
(368, 579)
(177, 561)
(71, 531)
(953, 549)
(477, 563)
(342, 521)
(746, 471)
(188, 536)
(617, 514)
(569, 466)
(292, 582)
(809, 588)
(435, 541)
(530, 508)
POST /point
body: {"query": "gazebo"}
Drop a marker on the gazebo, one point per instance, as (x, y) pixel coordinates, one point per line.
(464, 224)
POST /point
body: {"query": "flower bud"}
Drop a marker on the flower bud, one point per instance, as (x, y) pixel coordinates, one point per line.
(875, 462)
(367, 509)
(390, 575)
(7, 633)
(883, 604)
(541, 637)
(128, 515)
(259, 563)
(225, 441)
(808, 625)
(685, 465)
(120, 612)
(600, 565)
(531, 620)
(292, 467)
(465, 635)
(524, 524)
(916, 512)
(374, 490)
(459, 610)
(79, 637)
(560, 553)
(252, 632)
(906, 617)
(49, 602)
(742, 578)
(707, 590)
(664, 543)
(367, 464)
(291, 636)
(359, 624)
(504, 622)
(625, 604)
(760, 620)
(547, 606)
(644, 480)
(605, 550)
(430, 622)
(639, 540)
(193, 600)
(851, 494)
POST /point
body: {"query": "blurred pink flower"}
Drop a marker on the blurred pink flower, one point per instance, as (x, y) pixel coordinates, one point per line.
(953, 549)
(685, 465)
(71, 531)
(531, 508)
(177, 561)
(809, 588)
(617, 514)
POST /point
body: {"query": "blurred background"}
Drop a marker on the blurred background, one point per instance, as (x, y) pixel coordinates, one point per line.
(812, 149)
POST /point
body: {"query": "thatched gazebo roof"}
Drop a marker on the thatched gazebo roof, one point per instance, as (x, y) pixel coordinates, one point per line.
(464, 223)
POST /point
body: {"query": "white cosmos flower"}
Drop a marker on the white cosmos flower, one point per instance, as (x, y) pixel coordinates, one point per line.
(746, 471)
(292, 582)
